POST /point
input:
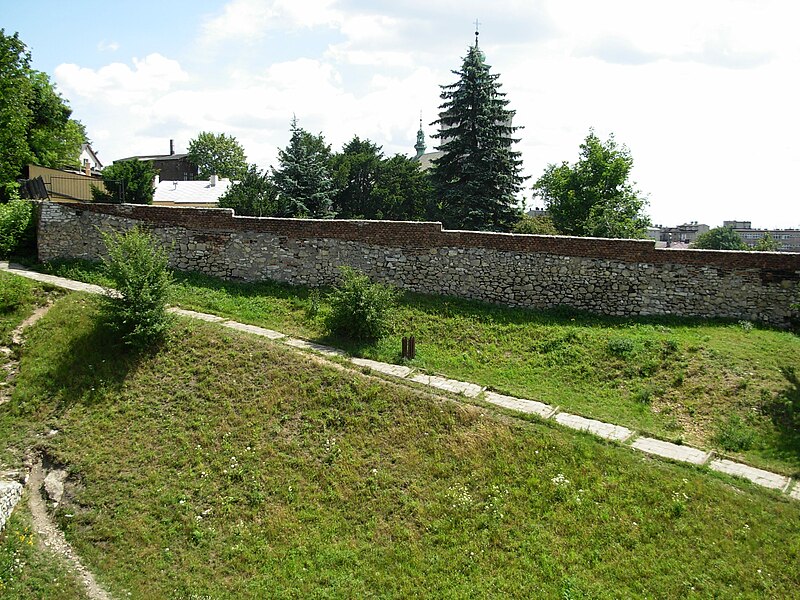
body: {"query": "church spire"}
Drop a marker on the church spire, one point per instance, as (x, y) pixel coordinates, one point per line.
(477, 31)
(420, 145)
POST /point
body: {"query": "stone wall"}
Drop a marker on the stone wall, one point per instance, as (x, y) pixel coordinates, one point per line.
(616, 277)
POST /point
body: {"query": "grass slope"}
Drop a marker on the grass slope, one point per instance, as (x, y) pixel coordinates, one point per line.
(711, 384)
(228, 466)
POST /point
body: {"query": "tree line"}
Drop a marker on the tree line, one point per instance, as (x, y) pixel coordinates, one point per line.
(475, 184)
(35, 121)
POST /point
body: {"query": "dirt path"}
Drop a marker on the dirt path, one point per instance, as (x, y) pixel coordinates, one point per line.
(52, 537)
(8, 360)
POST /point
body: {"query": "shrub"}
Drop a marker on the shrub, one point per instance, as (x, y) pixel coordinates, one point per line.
(734, 435)
(620, 346)
(359, 309)
(16, 219)
(138, 268)
(13, 293)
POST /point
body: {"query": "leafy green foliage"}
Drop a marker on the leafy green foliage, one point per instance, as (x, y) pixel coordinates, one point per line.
(766, 243)
(303, 179)
(734, 435)
(217, 154)
(35, 123)
(360, 310)
(720, 238)
(16, 221)
(129, 181)
(540, 225)
(13, 293)
(15, 112)
(370, 186)
(253, 195)
(478, 177)
(593, 197)
(137, 265)
(53, 138)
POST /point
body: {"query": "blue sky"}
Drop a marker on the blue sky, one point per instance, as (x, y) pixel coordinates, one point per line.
(703, 93)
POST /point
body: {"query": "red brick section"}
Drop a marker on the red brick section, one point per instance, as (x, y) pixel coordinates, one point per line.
(424, 236)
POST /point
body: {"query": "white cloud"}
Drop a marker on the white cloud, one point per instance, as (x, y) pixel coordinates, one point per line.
(244, 20)
(104, 46)
(119, 84)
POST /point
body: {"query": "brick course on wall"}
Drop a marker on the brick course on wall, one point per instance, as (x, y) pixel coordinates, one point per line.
(617, 277)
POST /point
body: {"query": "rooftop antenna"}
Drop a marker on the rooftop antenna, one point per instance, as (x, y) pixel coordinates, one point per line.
(477, 31)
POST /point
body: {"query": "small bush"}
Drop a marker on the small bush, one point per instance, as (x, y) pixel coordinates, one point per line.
(734, 435)
(16, 218)
(13, 293)
(138, 268)
(620, 346)
(360, 310)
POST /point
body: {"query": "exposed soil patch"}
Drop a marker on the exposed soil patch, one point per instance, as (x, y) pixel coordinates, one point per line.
(52, 537)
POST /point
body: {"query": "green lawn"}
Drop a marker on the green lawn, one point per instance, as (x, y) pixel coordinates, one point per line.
(227, 466)
(716, 385)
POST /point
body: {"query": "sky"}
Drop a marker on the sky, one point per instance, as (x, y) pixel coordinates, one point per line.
(705, 95)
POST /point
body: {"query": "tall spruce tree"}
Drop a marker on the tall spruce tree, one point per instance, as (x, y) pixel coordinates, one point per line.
(478, 177)
(303, 178)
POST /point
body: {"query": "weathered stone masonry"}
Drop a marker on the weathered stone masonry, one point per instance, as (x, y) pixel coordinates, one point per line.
(616, 277)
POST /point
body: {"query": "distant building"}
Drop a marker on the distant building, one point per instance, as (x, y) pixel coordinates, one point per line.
(683, 234)
(173, 167)
(89, 161)
(62, 185)
(788, 239)
(197, 193)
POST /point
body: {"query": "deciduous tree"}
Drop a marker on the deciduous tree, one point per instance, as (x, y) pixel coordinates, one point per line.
(129, 181)
(217, 154)
(253, 195)
(720, 238)
(593, 197)
(766, 243)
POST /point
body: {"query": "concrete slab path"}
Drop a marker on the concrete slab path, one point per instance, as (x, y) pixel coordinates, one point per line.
(607, 431)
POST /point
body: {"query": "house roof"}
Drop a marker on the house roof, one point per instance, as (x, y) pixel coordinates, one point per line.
(86, 147)
(426, 160)
(190, 192)
(155, 157)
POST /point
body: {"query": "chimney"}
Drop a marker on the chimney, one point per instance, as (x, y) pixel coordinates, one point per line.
(213, 180)
(171, 147)
(86, 168)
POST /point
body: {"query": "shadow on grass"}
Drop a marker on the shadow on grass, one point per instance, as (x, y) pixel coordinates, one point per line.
(784, 410)
(93, 366)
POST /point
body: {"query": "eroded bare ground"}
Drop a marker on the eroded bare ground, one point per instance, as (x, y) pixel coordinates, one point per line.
(52, 538)
(50, 535)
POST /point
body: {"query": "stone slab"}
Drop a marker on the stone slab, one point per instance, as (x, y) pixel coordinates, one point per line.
(10, 493)
(196, 315)
(601, 429)
(795, 491)
(69, 284)
(757, 476)
(470, 390)
(267, 333)
(385, 368)
(519, 404)
(672, 451)
(306, 345)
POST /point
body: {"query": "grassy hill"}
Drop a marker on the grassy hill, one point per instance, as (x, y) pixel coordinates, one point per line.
(715, 385)
(228, 466)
